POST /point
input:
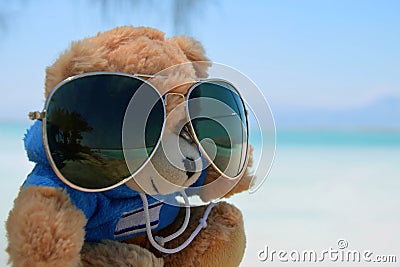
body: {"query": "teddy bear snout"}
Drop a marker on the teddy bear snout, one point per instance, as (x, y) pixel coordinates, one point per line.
(175, 165)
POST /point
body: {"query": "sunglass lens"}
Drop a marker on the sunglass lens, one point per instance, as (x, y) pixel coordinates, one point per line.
(219, 121)
(84, 121)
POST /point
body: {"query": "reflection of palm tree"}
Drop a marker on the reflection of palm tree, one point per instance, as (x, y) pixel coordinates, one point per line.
(66, 129)
(70, 125)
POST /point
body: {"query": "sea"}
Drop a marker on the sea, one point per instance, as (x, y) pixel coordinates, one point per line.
(332, 195)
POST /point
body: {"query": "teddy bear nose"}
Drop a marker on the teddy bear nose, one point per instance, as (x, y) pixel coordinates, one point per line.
(190, 166)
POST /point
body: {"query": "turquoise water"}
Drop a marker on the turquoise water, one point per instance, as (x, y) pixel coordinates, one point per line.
(286, 137)
(324, 185)
(353, 138)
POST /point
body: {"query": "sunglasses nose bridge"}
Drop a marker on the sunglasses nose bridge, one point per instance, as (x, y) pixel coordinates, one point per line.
(176, 114)
(174, 102)
(171, 98)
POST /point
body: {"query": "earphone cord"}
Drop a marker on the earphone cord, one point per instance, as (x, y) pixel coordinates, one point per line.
(162, 240)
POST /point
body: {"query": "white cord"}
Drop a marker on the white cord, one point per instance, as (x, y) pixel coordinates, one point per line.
(162, 240)
(202, 224)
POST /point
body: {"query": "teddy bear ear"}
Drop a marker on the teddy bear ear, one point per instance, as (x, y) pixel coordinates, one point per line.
(194, 51)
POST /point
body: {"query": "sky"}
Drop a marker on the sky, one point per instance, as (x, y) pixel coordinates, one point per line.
(331, 55)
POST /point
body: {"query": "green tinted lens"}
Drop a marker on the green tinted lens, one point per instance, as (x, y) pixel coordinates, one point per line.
(84, 120)
(219, 121)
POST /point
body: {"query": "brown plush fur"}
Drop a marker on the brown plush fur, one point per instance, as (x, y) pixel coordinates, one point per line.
(129, 50)
(221, 243)
(45, 229)
(112, 253)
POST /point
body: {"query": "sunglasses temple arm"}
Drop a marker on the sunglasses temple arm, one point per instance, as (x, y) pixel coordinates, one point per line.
(36, 115)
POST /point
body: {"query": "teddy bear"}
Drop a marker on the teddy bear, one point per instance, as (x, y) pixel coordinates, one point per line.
(52, 224)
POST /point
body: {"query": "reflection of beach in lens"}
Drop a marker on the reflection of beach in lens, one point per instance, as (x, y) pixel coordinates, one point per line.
(94, 171)
(109, 154)
(102, 167)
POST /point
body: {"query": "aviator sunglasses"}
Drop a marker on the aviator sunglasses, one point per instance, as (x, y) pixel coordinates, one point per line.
(101, 128)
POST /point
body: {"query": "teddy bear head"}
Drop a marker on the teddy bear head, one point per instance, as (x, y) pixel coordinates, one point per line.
(146, 51)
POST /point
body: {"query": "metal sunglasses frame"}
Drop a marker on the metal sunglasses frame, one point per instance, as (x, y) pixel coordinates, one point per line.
(37, 115)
